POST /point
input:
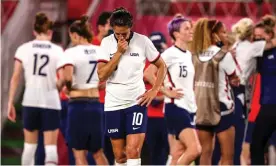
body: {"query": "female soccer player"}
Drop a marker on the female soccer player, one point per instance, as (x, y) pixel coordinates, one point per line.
(265, 122)
(179, 113)
(209, 36)
(41, 104)
(246, 53)
(121, 63)
(84, 131)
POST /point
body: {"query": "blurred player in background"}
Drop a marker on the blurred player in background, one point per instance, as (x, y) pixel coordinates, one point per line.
(156, 128)
(265, 122)
(209, 37)
(180, 112)
(103, 30)
(85, 115)
(41, 104)
(121, 63)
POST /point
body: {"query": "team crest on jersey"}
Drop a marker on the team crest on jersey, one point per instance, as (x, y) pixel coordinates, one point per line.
(134, 54)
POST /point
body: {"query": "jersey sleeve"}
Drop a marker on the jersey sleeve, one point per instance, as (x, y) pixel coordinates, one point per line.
(151, 52)
(228, 64)
(66, 59)
(258, 48)
(166, 57)
(103, 54)
(19, 54)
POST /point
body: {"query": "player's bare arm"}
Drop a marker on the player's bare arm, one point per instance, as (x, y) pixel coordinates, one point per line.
(147, 97)
(13, 87)
(150, 76)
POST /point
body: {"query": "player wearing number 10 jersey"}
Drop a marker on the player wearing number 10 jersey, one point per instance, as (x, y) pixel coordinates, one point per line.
(85, 115)
(39, 59)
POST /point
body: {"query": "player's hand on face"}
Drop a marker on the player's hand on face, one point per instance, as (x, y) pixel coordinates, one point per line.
(174, 93)
(147, 97)
(11, 113)
(122, 45)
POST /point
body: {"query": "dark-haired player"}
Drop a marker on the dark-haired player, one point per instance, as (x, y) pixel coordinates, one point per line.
(84, 132)
(121, 63)
(41, 104)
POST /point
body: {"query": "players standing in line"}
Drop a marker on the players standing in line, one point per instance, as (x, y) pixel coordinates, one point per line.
(41, 104)
(121, 63)
(84, 131)
(179, 113)
(214, 115)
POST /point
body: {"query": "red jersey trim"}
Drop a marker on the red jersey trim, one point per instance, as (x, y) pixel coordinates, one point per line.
(156, 59)
(16, 59)
(103, 60)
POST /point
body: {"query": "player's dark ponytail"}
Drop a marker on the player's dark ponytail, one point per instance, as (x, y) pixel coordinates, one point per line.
(42, 23)
(82, 28)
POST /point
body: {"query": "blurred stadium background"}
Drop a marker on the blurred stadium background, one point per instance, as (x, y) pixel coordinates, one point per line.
(149, 15)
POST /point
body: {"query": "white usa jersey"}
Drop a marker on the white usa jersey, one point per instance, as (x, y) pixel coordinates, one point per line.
(181, 76)
(40, 62)
(126, 83)
(246, 57)
(84, 59)
(227, 67)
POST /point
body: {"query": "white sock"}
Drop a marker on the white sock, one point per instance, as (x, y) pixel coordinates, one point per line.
(51, 156)
(169, 160)
(119, 164)
(28, 154)
(134, 162)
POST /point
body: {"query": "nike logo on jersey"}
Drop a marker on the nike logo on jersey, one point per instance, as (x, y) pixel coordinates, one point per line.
(134, 54)
(111, 55)
(135, 128)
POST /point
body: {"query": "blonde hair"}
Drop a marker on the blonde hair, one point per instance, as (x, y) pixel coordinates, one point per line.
(243, 28)
(201, 37)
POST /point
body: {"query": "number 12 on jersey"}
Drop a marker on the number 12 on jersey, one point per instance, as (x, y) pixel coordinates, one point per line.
(94, 63)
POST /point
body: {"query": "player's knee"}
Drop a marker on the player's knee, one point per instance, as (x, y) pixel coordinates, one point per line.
(98, 154)
(28, 153)
(120, 156)
(51, 155)
(132, 152)
(207, 151)
(194, 150)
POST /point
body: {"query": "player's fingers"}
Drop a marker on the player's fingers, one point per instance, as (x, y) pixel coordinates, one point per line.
(149, 101)
(145, 101)
(179, 89)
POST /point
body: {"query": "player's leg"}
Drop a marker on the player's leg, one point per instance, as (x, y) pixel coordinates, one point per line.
(187, 136)
(136, 126)
(50, 126)
(115, 130)
(226, 136)
(63, 127)
(264, 126)
(206, 137)
(96, 133)
(245, 157)
(31, 124)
